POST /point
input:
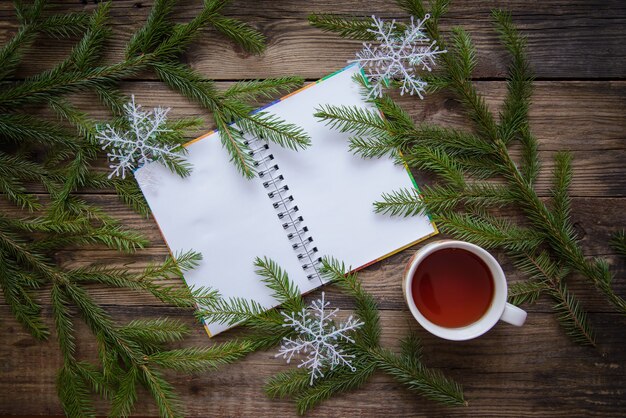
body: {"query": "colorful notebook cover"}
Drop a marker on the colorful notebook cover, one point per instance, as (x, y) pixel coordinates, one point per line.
(301, 206)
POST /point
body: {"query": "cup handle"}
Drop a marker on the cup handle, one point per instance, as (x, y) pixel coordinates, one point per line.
(513, 315)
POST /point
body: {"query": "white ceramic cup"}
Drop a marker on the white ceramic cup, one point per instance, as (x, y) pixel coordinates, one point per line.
(498, 310)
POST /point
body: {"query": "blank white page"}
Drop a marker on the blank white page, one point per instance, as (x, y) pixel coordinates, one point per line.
(335, 189)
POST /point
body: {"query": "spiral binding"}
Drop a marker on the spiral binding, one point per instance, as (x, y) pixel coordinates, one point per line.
(278, 192)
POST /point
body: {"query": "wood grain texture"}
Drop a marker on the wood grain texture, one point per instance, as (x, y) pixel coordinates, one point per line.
(581, 39)
(577, 50)
(531, 371)
(572, 115)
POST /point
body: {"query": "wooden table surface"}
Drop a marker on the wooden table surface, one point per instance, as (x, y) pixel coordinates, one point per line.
(578, 51)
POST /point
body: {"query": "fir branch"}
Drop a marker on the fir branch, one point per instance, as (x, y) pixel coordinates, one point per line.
(285, 291)
(241, 33)
(562, 175)
(572, 317)
(22, 129)
(269, 88)
(234, 142)
(155, 29)
(346, 28)
(15, 247)
(48, 85)
(183, 34)
(530, 164)
(476, 197)
(14, 191)
(455, 63)
(403, 202)
(112, 236)
(154, 332)
(150, 281)
(365, 305)
(56, 26)
(442, 199)
(190, 84)
(394, 114)
(446, 166)
(195, 359)
(125, 396)
(373, 134)
(17, 169)
(90, 48)
(11, 52)
(20, 300)
(374, 147)
(336, 382)
(73, 393)
(525, 292)
(618, 243)
(353, 119)
(162, 392)
(412, 349)
(450, 140)
(288, 383)
(128, 192)
(271, 128)
(63, 322)
(539, 266)
(514, 117)
(94, 378)
(519, 81)
(488, 231)
(63, 25)
(465, 53)
(428, 382)
(231, 311)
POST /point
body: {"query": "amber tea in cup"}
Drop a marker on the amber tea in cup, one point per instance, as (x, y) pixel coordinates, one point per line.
(457, 290)
(452, 287)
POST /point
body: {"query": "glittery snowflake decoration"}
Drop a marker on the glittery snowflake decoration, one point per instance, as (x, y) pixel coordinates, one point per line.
(398, 56)
(140, 144)
(318, 338)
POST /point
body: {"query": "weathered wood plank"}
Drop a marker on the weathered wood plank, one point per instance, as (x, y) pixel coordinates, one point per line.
(565, 39)
(382, 279)
(530, 371)
(583, 117)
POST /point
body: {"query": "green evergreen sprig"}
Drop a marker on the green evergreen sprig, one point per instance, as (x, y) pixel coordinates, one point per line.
(618, 243)
(475, 171)
(266, 330)
(56, 156)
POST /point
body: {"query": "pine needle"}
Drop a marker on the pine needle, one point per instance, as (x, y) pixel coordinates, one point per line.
(572, 317)
(430, 383)
(262, 89)
(525, 292)
(366, 307)
(618, 243)
(336, 382)
(276, 279)
(195, 359)
(344, 27)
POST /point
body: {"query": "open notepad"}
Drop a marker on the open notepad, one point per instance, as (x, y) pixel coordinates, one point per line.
(301, 206)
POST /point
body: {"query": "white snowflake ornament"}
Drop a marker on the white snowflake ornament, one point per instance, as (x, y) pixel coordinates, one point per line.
(398, 56)
(140, 144)
(318, 338)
